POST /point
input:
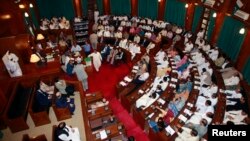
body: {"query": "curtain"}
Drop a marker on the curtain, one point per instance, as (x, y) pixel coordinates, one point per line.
(33, 17)
(197, 17)
(85, 7)
(57, 8)
(175, 12)
(210, 26)
(148, 8)
(120, 7)
(230, 40)
(246, 71)
(100, 6)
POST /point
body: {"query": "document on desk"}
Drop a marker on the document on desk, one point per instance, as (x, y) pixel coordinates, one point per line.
(134, 71)
(103, 134)
(140, 91)
(161, 101)
(123, 83)
(170, 130)
(188, 112)
(183, 118)
(135, 67)
(174, 79)
(127, 79)
(190, 104)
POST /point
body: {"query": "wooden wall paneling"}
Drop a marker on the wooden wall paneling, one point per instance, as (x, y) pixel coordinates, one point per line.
(78, 8)
(161, 9)
(134, 7)
(22, 44)
(219, 21)
(189, 16)
(244, 52)
(106, 7)
(11, 19)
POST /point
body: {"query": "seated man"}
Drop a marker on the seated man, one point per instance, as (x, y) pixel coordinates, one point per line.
(201, 128)
(187, 134)
(119, 56)
(86, 48)
(140, 79)
(105, 52)
(63, 102)
(167, 115)
(43, 98)
(66, 133)
(157, 125)
(61, 85)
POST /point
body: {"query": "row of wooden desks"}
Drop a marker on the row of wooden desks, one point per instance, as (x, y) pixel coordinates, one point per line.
(98, 120)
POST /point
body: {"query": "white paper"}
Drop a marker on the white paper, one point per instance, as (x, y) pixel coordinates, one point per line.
(127, 79)
(183, 118)
(188, 112)
(103, 134)
(123, 83)
(135, 67)
(134, 71)
(170, 130)
(174, 79)
(190, 104)
(161, 101)
(151, 115)
(140, 91)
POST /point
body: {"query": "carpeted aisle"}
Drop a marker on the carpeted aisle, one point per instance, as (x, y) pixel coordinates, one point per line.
(105, 81)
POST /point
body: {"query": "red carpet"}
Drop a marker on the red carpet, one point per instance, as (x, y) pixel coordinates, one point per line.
(105, 81)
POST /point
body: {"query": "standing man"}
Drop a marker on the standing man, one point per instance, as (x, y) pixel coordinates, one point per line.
(81, 74)
(97, 59)
(93, 40)
(86, 48)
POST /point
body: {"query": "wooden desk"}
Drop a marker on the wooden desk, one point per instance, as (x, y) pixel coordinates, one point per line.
(94, 97)
(99, 112)
(114, 132)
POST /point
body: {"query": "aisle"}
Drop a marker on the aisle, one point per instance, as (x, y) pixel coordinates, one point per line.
(105, 81)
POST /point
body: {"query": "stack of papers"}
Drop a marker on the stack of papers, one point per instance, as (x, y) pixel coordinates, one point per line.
(183, 118)
(197, 82)
(103, 134)
(160, 100)
(174, 79)
(151, 115)
(197, 77)
(134, 71)
(127, 79)
(170, 130)
(190, 104)
(140, 91)
(188, 112)
(196, 87)
(123, 83)
(172, 85)
(135, 67)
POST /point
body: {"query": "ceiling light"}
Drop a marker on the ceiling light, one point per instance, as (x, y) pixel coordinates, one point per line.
(214, 15)
(26, 14)
(31, 5)
(21, 6)
(186, 6)
(242, 30)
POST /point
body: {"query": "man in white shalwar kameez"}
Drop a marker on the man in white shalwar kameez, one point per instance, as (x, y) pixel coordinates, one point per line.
(67, 133)
(81, 74)
(97, 60)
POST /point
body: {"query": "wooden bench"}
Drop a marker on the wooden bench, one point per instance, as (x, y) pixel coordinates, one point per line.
(37, 138)
(64, 113)
(39, 117)
(16, 112)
